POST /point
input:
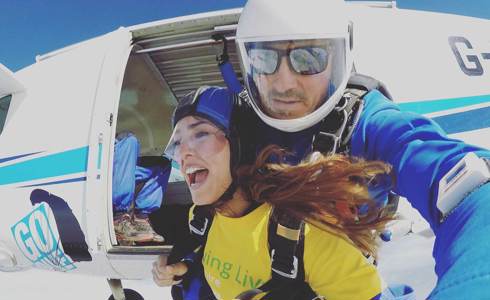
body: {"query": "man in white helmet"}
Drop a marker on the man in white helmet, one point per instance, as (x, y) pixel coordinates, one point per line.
(298, 70)
(296, 62)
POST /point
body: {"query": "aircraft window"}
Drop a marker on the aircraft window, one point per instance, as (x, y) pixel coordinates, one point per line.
(4, 108)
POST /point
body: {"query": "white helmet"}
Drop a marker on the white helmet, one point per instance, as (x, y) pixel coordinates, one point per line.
(313, 37)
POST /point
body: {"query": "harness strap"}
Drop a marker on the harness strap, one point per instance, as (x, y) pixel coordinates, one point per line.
(201, 222)
(285, 234)
(196, 240)
(286, 248)
(336, 129)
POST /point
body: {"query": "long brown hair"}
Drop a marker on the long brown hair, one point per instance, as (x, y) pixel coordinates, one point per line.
(327, 191)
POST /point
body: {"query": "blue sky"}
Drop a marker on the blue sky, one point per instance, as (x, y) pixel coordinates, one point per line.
(32, 27)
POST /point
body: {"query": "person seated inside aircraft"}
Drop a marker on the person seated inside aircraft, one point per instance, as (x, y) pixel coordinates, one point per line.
(317, 218)
(137, 191)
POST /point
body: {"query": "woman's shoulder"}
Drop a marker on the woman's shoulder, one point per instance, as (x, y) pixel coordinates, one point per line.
(320, 243)
(318, 236)
(337, 268)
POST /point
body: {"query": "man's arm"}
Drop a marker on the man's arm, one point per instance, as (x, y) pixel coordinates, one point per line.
(421, 155)
(417, 148)
(461, 250)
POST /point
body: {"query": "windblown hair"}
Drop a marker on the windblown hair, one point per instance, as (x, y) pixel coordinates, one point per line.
(329, 192)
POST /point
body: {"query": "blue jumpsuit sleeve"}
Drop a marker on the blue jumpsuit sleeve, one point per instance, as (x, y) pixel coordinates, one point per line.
(417, 148)
(461, 250)
(421, 154)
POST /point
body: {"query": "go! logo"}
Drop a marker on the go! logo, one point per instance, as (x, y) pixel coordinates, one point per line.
(35, 238)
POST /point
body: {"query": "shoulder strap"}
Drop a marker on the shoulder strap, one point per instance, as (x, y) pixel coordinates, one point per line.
(286, 248)
(286, 237)
(195, 241)
(336, 128)
(190, 250)
(201, 222)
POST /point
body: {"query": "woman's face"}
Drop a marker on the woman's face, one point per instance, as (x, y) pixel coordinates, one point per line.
(203, 153)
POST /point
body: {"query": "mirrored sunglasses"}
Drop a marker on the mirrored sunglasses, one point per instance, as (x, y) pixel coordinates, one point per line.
(307, 60)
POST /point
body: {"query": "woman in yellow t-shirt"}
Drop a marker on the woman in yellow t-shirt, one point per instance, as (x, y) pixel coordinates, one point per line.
(326, 192)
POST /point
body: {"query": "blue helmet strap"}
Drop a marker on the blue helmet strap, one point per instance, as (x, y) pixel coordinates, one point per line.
(331, 89)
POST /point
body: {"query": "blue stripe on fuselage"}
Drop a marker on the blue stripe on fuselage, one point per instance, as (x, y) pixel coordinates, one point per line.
(57, 182)
(465, 121)
(58, 164)
(2, 160)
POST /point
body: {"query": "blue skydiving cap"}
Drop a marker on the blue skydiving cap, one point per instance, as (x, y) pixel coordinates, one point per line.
(212, 103)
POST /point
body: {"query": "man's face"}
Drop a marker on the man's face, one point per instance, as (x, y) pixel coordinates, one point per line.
(287, 94)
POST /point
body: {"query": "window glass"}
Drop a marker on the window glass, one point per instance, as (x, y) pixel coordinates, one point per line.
(4, 108)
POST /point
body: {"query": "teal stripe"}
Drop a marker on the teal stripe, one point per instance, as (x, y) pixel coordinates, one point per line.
(58, 164)
(99, 159)
(430, 106)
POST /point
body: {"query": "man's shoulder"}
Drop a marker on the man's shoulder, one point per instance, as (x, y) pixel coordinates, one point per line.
(377, 95)
(367, 83)
(375, 100)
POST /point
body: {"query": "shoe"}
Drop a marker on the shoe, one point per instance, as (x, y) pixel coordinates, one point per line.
(120, 221)
(127, 232)
(142, 223)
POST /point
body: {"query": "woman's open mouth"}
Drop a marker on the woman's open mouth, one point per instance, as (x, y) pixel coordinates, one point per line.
(196, 176)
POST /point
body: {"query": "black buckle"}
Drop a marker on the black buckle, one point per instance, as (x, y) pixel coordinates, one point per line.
(288, 269)
(198, 228)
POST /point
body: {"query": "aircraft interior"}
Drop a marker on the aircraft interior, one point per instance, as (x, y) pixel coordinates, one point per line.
(162, 68)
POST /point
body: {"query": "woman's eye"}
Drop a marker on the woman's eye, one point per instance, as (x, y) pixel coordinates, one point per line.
(201, 134)
(176, 144)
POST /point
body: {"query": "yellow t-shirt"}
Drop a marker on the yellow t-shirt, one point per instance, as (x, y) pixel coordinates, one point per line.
(236, 259)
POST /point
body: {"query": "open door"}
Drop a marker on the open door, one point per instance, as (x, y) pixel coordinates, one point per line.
(162, 67)
(143, 178)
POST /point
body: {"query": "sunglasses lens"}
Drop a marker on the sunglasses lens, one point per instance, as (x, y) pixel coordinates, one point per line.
(263, 61)
(309, 60)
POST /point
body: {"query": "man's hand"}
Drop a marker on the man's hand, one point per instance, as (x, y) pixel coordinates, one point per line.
(222, 57)
(164, 274)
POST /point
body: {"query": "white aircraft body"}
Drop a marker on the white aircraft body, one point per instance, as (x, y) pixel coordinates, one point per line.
(59, 118)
